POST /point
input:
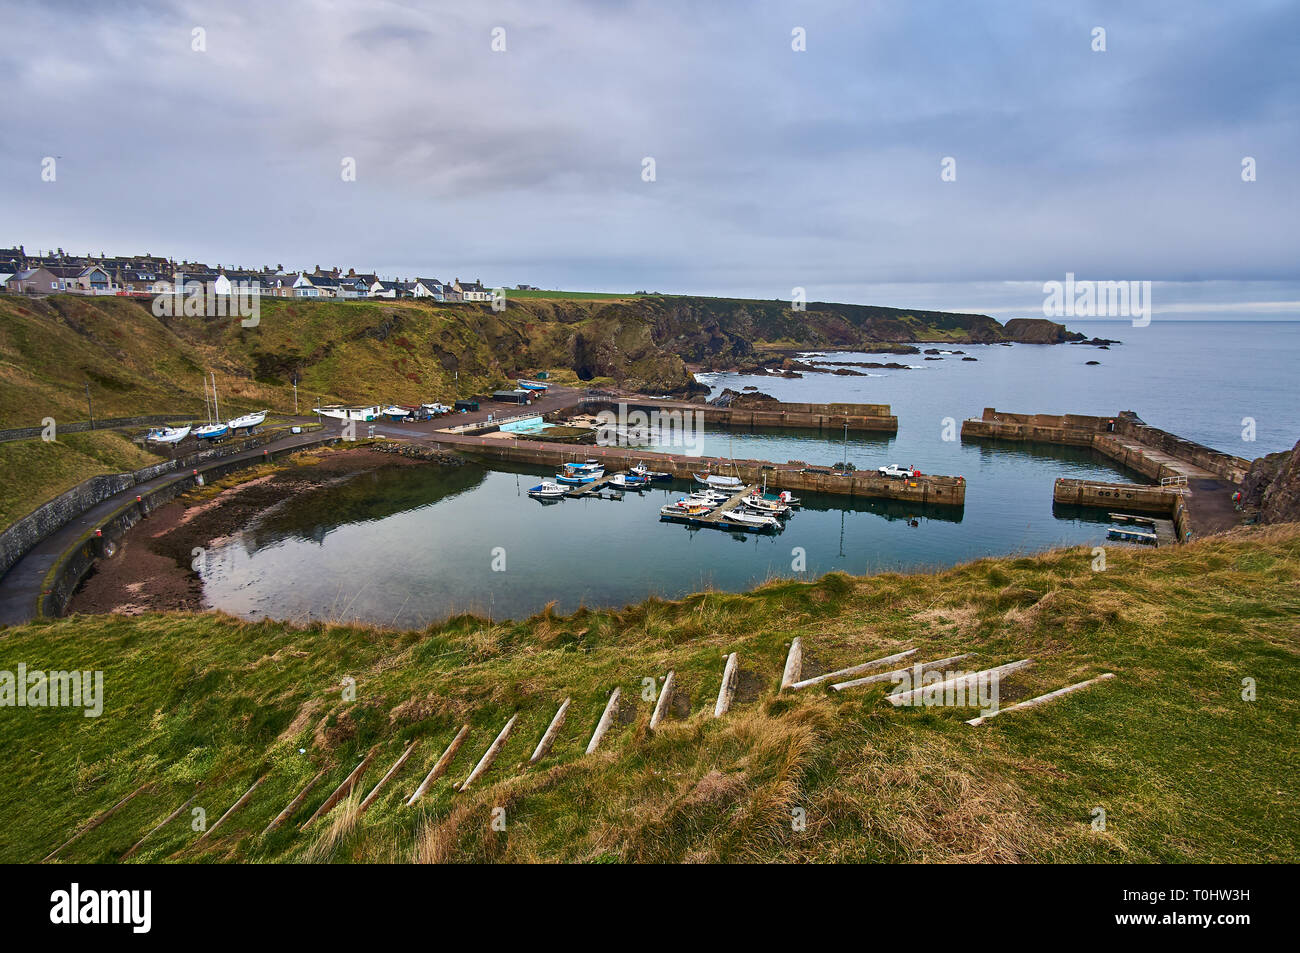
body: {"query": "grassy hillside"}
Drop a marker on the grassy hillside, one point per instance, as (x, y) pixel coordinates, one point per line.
(405, 351)
(35, 471)
(1185, 769)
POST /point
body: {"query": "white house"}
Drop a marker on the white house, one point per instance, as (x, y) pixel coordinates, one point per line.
(471, 290)
(428, 288)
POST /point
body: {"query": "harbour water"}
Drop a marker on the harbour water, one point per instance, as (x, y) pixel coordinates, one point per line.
(413, 545)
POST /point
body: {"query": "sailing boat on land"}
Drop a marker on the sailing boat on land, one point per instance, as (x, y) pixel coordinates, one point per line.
(214, 429)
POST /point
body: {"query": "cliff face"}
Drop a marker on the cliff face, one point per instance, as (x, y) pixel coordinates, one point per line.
(1273, 486)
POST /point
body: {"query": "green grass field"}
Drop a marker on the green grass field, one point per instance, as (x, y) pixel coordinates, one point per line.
(1184, 767)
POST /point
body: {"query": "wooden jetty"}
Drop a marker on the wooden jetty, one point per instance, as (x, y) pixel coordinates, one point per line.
(714, 518)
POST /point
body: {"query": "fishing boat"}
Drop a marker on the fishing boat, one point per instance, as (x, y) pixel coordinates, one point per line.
(248, 421)
(628, 481)
(546, 490)
(750, 520)
(716, 480)
(435, 409)
(577, 475)
(685, 507)
(397, 412)
(643, 471)
(710, 496)
(771, 507)
(532, 385)
(167, 434)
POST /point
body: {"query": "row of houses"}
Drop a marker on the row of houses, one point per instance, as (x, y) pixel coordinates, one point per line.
(147, 275)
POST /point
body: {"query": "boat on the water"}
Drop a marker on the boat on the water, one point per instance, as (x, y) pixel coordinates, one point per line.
(546, 490)
(716, 480)
(686, 507)
(771, 507)
(575, 475)
(750, 520)
(1133, 534)
(643, 471)
(167, 434)
(628, 481)
(532, 385)
(710, 496)
(248, 421)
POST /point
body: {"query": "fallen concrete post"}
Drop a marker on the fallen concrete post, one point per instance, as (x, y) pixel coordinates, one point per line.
(663, 701)
(851, 670)
(344, 789)
(548, 738)
(606, 719)
(374, 792)
(899, 672)
(793, 664)
(440, 768)
(490, 755)
(95, 822)
(161, 824)
(957, 681)
(232, 809)
(296, 803)
(727, 690)
(1041, 698)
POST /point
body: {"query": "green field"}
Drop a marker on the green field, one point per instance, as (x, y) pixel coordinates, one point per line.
(1184, 767)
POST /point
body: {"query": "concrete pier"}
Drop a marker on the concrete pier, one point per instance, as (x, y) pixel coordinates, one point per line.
(1195, 481)
(857, 417)
(794, 476)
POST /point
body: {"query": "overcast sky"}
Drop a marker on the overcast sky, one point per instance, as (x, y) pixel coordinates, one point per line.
(774, 168)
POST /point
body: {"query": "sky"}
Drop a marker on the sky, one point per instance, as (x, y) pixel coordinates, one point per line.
(222, 133)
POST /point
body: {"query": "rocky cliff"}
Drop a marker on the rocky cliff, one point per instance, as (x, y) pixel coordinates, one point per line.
(1272, 486)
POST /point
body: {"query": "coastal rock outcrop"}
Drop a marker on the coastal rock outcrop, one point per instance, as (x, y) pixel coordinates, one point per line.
(1272, 486)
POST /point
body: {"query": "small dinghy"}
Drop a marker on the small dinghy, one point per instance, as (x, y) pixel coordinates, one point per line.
(168, 434)
(248, 421)
(547, 490)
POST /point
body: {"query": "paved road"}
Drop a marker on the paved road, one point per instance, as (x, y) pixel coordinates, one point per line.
(21, 586)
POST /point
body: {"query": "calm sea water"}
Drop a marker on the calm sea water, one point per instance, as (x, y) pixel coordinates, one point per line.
(413, 545)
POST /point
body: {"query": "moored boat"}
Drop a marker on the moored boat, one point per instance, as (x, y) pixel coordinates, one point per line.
(750, 520)
(760, 505)
(642, 470)
(578, 475)
(686, 507)
(546, 490)
(628, 481)
(716, 480)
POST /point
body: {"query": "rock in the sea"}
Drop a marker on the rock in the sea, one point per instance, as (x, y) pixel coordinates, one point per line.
(1091, 362)
(970, 358)
(1272, 486)
(933, 359)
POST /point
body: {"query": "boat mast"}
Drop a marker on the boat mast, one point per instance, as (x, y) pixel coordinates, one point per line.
(216, 409)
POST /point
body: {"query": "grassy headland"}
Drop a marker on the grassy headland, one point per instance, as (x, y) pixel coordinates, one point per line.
(1185, 769)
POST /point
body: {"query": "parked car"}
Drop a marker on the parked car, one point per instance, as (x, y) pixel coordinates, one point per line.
(898, 472)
